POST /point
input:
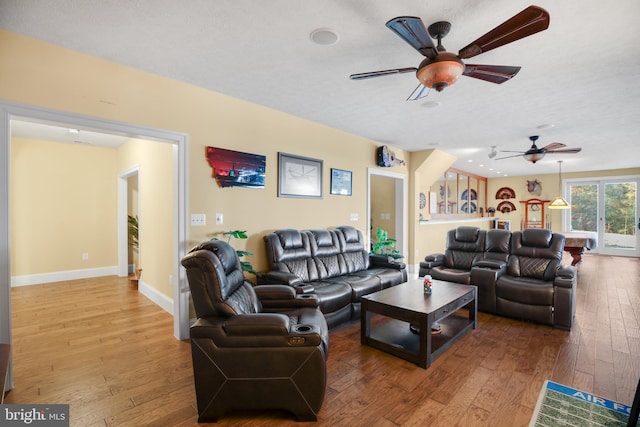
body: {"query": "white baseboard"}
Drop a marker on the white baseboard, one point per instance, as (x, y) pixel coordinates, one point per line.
(160, 299)
(61, 276)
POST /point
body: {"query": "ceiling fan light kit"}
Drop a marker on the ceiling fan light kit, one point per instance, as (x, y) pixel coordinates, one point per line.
(441, 72)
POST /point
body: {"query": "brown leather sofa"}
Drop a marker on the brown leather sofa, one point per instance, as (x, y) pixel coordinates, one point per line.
(518, 274)
(332, 264)
(252, 348)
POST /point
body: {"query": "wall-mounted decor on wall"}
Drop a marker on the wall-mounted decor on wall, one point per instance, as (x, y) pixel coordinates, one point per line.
(505, 193)
(387, 158)
(506, 206)
(237, 169)
(534, 187)
(299, 176)
(340, 182)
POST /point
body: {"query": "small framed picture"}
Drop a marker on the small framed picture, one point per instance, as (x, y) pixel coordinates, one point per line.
(299, 176)
(340, 182)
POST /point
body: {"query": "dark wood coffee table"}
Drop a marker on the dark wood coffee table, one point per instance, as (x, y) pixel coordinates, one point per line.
(407, 304)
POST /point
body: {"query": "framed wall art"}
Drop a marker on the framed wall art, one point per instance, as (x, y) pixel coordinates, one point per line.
(299, 176)
(340, 182)
(237, 169)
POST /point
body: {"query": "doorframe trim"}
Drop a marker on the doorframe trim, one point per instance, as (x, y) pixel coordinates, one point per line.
(401, 207)
(180, 141)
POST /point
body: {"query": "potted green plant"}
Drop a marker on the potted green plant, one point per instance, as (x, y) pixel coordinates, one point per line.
(132, 222)
(385, 246)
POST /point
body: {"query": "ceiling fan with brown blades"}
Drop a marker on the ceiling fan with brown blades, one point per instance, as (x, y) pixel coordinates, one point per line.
(440, 68)
(534, 153)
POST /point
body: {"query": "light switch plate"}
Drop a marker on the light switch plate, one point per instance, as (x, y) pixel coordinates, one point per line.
(198, 220)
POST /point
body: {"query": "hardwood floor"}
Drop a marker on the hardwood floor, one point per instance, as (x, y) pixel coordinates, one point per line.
(110, 353)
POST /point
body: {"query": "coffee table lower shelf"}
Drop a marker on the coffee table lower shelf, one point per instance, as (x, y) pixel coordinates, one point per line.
(394, 337)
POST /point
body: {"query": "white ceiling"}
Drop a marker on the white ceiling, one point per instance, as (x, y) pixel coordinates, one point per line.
(581, 75)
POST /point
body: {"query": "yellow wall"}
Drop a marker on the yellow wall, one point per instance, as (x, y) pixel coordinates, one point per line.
(85, 85)
(62, 205)
(549, 191)
(155, 213)
(383, 205)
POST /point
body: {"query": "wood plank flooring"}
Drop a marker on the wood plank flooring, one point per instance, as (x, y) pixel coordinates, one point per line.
(110, 353)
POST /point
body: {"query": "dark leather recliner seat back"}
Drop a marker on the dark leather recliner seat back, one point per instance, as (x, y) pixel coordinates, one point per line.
(465, 247)
(355, 255)
(218, 286)
(325, 249)
(289, 250)
(535, 253)
(497, 245)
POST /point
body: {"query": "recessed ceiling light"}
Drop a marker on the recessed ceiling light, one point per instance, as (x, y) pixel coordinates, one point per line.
(76, 131)
(545, 126)
(431, 104)
(324, 36)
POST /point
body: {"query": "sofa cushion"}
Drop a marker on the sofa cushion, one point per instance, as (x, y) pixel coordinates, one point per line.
(525, 290)
(455, 275)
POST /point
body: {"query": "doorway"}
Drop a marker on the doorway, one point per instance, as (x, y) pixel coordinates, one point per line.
(394, 214)
(13, 111)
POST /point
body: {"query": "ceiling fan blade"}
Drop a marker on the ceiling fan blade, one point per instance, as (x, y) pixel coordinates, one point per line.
(566, 150)
(491, 73)
(552, 146)
(419, 92)
(530, 21)
(370, 74)
(412, 30)
(512, 151)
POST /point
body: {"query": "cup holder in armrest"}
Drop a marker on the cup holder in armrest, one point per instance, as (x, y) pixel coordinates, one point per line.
(306, 296)
(303, 328)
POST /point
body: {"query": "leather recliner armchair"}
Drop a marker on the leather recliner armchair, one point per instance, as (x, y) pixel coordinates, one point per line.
(464, 248)
(252, 348)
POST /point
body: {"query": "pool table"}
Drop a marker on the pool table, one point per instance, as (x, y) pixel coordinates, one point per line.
(577, 241)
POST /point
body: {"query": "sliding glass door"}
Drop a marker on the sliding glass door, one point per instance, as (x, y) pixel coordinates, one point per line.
(609, 207)
(620, 217)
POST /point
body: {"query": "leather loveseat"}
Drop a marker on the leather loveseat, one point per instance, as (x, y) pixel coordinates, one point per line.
(518, 274)
(332, 264)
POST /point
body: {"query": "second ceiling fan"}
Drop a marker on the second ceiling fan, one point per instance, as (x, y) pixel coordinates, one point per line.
(440, 68)
(534, 153)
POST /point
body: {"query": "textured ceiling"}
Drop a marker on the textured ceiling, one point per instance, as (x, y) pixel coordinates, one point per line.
(581, 75)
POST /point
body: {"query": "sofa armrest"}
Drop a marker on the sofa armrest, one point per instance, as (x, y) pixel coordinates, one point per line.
(278, 297)
(566, 277)
(289, 279)
(255, 330)
(493, 264)
(434, 259)
(386, 262)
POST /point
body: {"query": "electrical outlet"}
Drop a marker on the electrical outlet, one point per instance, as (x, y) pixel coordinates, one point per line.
(219, 218)
(353, 217)
(85, 256)
(198, 220)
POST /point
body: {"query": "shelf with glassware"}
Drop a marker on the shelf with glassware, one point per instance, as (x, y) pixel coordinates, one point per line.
(458, 194)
